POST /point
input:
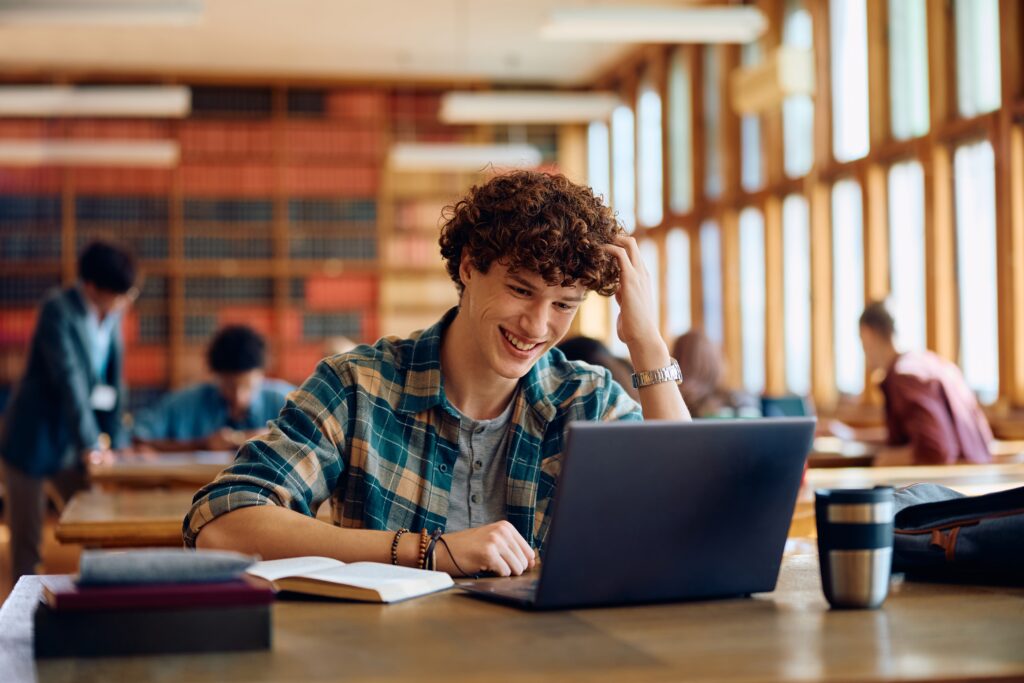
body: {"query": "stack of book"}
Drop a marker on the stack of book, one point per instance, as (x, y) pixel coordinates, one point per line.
(76, 619)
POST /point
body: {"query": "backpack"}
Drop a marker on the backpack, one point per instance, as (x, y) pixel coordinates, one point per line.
(943, 535)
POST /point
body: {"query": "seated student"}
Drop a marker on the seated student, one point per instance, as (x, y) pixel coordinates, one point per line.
(460, 428)
(68, 405)
(221, 414)
(590, 350)
(932, 416)
(702, 367)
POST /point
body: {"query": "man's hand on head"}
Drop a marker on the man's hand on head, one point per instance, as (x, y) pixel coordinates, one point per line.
(637, 318)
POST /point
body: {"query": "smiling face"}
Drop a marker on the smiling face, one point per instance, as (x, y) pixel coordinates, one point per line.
(514, 317)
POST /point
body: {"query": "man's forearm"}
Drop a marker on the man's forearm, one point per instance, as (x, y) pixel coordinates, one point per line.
(274, 532)
(662, 401)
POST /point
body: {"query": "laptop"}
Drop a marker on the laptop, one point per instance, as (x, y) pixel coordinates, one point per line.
(662, 511)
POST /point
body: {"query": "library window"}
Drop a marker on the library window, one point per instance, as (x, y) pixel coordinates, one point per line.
(680, 132)
(796, 284)
(677, 281)
(623, 167)
(974, 183)
(847, 285)
(649, 167)
(977, 56)
(649, 254)
(908, 68)
(797, 110)
(906, 254)
(752, 298)
(751, 177)
(711, 279)
(849, 43)
(712, 122)
(598, 160)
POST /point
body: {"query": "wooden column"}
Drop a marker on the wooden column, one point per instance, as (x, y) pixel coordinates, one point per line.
(823, 384)
(1009, 175)
(818, 193)
(940, 271)
(695, 62)
(774, 332)
(572, 152)
(874, 181)
(732, 332)
(876, 231)
(772, 153)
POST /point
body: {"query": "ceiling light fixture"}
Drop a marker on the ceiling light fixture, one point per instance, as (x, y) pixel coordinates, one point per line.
(143, 153)
(458, 157)
(100, 12)
(627, 24)
(141, 101)
(541, 107)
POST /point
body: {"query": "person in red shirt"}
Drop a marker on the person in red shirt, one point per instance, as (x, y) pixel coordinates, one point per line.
(933, 417)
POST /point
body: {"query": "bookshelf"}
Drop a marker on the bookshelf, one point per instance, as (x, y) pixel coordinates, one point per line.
(281, 214)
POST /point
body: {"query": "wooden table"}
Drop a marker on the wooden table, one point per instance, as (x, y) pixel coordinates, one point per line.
(831, 451)
(923, 632)
(972, 480)
(130, 518)
(183, 470)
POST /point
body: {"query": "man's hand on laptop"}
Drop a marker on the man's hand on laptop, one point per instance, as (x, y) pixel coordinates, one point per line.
(496, 548)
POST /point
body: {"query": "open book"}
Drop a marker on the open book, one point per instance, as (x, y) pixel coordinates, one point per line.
(367, 581)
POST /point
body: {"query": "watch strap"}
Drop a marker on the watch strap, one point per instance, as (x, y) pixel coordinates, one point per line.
(670, 373)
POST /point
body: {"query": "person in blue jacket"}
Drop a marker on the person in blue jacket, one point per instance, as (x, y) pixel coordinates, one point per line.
(221, 414)
(68, 405)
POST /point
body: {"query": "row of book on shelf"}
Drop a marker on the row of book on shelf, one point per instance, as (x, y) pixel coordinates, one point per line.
(16, 209)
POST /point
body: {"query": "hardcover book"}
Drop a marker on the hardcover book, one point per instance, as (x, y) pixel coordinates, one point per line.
(61, 593)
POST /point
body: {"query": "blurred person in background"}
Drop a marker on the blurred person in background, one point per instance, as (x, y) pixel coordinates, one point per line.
(932, 417)
(68, 406)
(590, 350)
(703, 369)
(223, 413)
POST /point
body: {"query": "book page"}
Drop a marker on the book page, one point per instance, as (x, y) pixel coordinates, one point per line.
(272, 570)
(379, 575)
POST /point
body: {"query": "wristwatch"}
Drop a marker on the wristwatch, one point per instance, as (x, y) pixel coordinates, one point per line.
(672, 373)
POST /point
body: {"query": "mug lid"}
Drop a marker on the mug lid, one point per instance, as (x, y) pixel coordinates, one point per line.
(878, 494)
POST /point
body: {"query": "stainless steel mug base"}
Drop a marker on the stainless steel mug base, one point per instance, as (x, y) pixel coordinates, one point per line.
(858, 578)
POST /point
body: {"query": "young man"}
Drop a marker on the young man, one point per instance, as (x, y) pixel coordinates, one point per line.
(932, 416)
(461, 427)
(221, 414)
(71, 395)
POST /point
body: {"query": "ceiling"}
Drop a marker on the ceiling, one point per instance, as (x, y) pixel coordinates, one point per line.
(460, 40)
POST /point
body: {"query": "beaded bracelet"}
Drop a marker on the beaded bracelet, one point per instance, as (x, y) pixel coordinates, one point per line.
(394, 545)
(424, 539)
(431, 562)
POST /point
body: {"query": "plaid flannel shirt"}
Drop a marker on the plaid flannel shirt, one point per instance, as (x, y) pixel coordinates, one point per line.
(373, 432)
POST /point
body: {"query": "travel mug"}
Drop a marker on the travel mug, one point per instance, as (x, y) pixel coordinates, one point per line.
(855, 535)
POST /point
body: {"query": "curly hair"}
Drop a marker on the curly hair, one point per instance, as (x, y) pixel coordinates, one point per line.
(537, 222)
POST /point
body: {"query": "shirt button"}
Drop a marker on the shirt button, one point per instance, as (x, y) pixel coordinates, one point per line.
(443, 467)
(479, 430)
(478, 464)
(475, 498)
